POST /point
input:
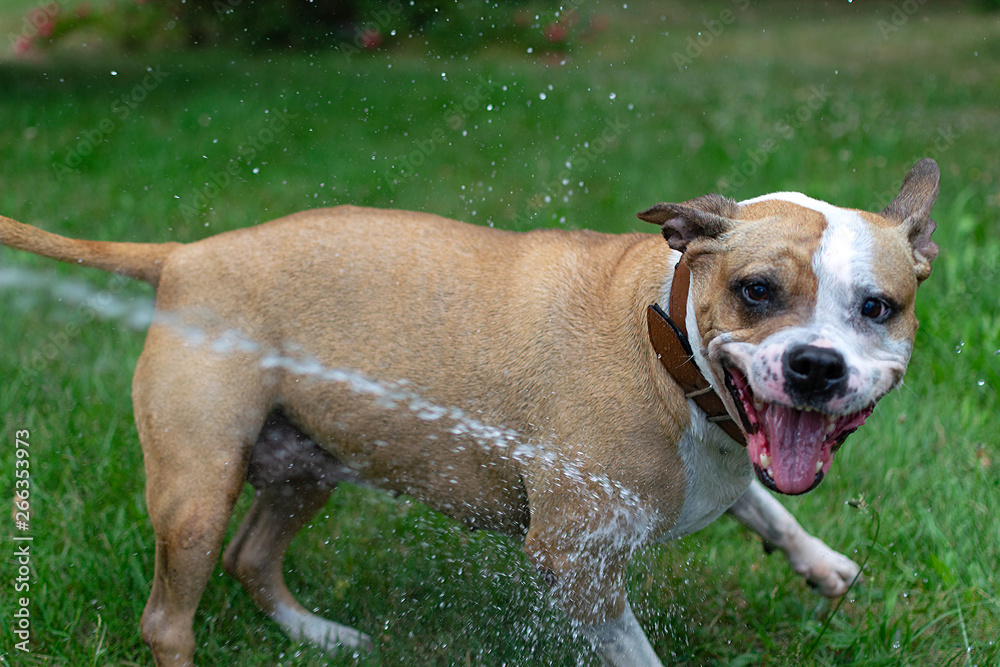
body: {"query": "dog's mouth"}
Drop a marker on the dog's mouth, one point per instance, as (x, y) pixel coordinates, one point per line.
(791, 448)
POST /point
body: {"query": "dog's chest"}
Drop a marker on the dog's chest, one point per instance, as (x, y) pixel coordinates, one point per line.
(717, 472)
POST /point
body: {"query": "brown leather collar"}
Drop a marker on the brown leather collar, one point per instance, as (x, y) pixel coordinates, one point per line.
(669, 338)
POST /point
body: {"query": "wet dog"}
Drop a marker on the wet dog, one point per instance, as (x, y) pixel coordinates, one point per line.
(529, 383)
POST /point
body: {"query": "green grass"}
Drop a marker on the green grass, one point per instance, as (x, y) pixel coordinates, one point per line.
(927, 464)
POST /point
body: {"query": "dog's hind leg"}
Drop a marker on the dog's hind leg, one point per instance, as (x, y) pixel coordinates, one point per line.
(198, 417)
(294, 479)
(189, 517)
(827, 571)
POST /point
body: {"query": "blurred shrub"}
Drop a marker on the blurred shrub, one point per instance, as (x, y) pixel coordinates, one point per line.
(350, 25)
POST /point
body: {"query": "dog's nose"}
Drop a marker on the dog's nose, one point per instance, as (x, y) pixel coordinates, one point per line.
(813, 374)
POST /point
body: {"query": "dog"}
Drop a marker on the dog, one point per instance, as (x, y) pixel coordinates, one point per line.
(531, 383)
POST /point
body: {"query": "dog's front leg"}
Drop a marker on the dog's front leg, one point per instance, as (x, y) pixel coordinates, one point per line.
(621, 642)
(588, 579)
(829, 572)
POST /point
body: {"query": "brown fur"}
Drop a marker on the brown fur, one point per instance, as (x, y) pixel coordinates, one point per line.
(776, 239)
(541, 337)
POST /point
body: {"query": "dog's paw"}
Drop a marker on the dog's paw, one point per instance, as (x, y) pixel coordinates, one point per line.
(828, 572)
(333, 638)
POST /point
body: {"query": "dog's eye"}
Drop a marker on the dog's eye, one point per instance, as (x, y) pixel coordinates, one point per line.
(757, 293)
(876, 309)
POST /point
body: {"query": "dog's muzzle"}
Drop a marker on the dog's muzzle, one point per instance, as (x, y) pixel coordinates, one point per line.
(792, 447)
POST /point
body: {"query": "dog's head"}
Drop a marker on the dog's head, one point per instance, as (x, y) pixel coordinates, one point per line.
(804, 313)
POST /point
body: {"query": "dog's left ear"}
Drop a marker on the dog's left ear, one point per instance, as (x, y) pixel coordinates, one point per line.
(911, 210)
(705, 216)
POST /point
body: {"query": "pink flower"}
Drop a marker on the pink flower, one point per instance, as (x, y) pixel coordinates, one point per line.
(555, 32)
(45, 30)
(22, 46)
(44, 19)
(371, 39)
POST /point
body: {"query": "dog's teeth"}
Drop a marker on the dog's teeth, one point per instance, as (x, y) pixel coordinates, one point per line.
(765, 461)
(831, 425)
(819, 466)
(758, 404)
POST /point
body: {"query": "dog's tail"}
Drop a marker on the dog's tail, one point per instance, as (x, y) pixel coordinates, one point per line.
(135, 260)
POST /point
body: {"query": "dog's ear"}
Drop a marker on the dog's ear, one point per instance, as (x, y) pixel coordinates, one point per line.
(911, 210)
(706, 216)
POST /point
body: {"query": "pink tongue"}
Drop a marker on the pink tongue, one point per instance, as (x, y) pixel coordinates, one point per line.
(796, 443)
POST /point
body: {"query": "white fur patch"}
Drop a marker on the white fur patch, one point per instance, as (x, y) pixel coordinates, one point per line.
(717, 470)
(303, 626)
(845, 254)
(843, 265)
(622, 642)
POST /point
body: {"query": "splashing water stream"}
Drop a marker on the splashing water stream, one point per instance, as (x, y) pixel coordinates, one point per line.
(629, 528)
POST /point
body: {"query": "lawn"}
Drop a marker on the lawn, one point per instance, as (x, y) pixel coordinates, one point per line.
(837, 101)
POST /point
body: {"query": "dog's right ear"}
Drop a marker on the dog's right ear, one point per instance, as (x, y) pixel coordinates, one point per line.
(705, 216)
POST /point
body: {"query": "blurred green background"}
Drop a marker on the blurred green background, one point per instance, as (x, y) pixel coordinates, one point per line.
(120, 126)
